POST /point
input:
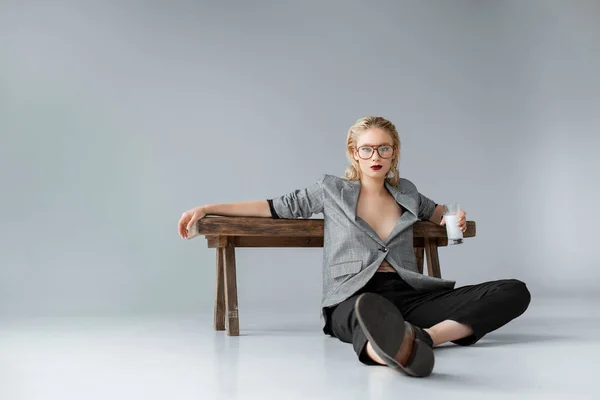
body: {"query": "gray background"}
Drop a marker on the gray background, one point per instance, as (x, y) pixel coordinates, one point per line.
(115, 117)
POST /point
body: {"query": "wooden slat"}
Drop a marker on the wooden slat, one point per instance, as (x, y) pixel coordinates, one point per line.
(267, 241)
(429, 229)
(293, 241)
(257, 226)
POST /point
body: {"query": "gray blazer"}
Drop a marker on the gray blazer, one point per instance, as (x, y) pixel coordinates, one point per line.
(352, 250)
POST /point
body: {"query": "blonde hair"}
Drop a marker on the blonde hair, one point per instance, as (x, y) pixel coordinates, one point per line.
(353, 171)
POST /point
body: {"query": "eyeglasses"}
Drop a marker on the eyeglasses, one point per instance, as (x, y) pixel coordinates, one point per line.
(365, 152)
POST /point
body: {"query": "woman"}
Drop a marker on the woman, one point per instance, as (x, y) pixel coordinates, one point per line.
(373, 295)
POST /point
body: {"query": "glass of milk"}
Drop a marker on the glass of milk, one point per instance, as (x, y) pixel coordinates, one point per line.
(455, 235)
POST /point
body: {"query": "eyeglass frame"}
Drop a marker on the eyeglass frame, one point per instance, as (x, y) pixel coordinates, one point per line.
(373, 148)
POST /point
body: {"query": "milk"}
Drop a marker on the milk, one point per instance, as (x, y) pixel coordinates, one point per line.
(453, 231)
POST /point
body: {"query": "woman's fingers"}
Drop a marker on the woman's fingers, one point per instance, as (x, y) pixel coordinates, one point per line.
(192, 221)
(462, 221)
(183, 222)
(188, 219)
(463, 225)
(198, 214)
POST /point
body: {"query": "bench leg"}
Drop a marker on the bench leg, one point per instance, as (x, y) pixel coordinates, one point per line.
(219, 323)
(433, 260)
(419, 257)
(231, 300)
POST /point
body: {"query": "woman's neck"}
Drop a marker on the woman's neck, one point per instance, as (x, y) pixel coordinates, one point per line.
(373, 187)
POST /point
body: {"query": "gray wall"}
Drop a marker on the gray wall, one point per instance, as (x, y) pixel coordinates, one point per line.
(115, 117)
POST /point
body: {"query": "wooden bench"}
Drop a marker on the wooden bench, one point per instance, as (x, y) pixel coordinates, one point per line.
(227, 233)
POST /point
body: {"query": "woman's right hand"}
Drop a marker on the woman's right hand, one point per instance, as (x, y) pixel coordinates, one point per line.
(188, 219)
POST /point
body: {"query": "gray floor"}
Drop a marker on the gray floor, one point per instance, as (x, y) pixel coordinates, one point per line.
(551, 352)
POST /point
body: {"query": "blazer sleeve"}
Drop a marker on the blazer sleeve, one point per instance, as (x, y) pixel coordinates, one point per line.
(301, 203)
(426, 207)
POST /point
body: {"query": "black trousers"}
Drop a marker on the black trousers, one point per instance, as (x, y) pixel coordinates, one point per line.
(484, 307)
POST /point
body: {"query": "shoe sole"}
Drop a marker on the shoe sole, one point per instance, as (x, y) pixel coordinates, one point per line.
(384, 327)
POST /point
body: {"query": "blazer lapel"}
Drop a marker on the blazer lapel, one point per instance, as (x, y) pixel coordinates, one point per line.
(403, 199)
(349, 198)
(408, 217)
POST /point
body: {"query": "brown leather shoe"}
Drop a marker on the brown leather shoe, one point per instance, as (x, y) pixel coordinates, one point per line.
(392, 338)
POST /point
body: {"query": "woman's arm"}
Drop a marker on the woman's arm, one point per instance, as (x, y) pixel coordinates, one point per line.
(256, 208)
(187, 222)
(428, 210)
(301, 203)
(437, 215)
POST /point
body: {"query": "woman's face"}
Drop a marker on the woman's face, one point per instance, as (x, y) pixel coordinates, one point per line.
(366, 157)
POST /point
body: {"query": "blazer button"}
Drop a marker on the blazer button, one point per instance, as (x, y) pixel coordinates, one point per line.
(384, 249)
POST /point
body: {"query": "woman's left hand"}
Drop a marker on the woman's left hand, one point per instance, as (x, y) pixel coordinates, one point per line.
(461, 222)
